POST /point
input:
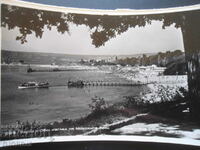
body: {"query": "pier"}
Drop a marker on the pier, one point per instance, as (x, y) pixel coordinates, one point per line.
(81, 83)
(103, 83)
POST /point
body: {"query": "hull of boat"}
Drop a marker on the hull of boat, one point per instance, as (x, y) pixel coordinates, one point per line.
(24, 87)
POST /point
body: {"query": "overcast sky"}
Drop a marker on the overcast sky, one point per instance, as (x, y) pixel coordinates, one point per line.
(149, 39)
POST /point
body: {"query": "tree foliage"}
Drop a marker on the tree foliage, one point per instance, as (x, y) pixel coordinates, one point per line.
(102, 27)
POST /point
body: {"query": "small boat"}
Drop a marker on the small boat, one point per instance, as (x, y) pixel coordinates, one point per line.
(29, 85)
(78, 83)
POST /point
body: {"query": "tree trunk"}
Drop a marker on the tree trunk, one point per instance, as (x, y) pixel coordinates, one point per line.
(191, 36)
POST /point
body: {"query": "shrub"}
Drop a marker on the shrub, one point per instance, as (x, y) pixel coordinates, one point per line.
(98, 104)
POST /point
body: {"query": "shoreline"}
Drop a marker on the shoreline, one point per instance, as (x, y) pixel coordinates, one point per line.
(160, 86)
(118, 115)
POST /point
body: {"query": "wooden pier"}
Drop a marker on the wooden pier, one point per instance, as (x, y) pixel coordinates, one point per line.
(108, 83)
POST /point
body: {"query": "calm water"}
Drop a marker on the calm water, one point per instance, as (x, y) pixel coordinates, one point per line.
(54, 103)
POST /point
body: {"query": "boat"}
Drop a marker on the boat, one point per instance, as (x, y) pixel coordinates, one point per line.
(30, 85)
(78, 83)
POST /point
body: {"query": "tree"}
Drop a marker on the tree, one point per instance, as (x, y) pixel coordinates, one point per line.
(191, 36)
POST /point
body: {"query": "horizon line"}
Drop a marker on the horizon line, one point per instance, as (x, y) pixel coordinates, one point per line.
(92, 54)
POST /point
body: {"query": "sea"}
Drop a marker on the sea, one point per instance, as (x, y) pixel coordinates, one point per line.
(56, 102)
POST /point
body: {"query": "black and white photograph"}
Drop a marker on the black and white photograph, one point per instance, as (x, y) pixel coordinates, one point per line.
(100, 71)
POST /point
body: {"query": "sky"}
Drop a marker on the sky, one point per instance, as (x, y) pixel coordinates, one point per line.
(149, 39)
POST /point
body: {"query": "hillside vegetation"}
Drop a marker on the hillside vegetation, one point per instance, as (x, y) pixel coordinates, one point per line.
(173, 61)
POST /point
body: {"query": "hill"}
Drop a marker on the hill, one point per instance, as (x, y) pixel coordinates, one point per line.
(174, 61)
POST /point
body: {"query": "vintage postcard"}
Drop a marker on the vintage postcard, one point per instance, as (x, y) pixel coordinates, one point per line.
(92, 72)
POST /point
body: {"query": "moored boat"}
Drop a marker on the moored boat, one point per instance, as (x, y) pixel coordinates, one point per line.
(29, 85)
(78, 83)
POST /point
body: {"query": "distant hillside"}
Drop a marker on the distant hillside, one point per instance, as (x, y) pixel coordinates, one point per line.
(174, 61)
(47, 58)
(32, 57)
(43, 58)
